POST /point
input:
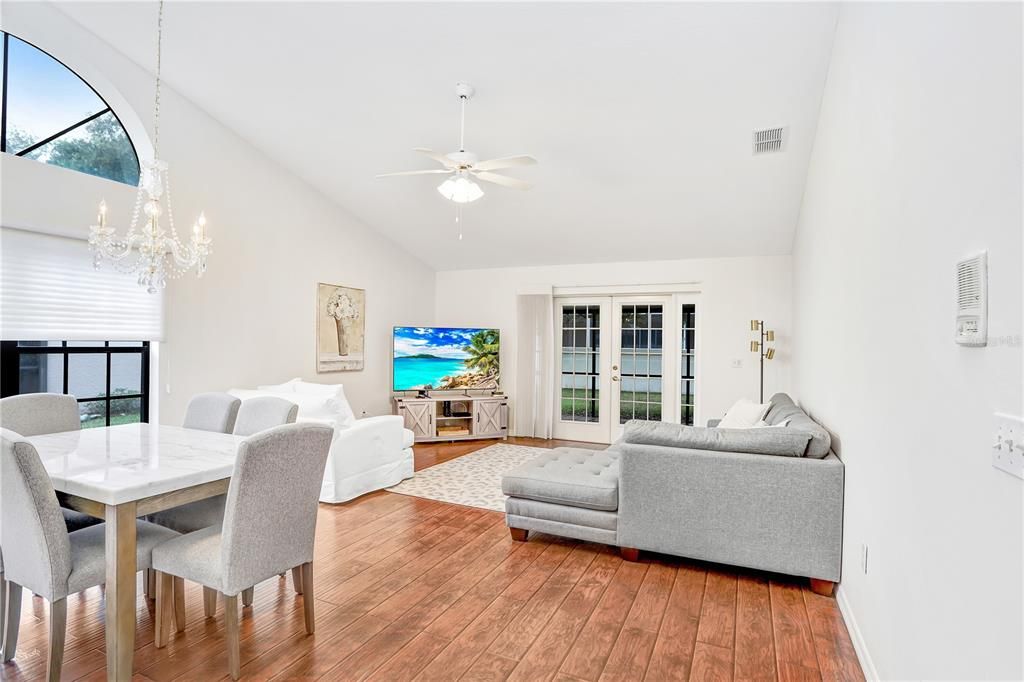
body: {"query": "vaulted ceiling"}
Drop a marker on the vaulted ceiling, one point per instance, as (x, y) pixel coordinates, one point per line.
(639, 114)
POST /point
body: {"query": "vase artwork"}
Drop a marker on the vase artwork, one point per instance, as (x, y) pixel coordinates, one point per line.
(340, 327)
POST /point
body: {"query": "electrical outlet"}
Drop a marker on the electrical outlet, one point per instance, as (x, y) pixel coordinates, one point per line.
(864, 559)
(737, 364)
(1008, 446)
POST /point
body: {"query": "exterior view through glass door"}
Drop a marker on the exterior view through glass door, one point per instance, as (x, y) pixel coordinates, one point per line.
(622, 358)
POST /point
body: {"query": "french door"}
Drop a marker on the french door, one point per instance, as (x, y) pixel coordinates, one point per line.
(622, 358)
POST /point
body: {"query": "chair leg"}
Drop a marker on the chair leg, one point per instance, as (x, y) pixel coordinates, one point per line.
(209, 602)
(297, 579)
(231, 635)
(247, 596)
(58, 630)
(149, 583)
(307, 595)
(3, 611)
(13, 620)
(164, 608)
(179, 604)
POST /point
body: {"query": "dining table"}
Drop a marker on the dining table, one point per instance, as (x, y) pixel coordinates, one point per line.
(120, 473)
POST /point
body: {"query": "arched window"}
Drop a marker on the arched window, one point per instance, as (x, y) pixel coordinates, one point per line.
(51, 115)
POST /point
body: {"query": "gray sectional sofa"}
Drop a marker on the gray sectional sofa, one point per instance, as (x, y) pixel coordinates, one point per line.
(767, 498)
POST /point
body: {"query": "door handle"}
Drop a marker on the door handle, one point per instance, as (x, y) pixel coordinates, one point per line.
(615, 367)
(615, 378)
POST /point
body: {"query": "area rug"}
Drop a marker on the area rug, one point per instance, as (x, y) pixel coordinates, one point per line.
(473, 480)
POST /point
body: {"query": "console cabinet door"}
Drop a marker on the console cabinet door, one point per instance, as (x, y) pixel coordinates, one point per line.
(490, 418)
(419, 418)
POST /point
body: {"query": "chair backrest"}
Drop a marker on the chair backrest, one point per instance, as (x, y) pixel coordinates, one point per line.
(270, 513)
(212, 412)
(32, 414)
(37, 551)
(266, 412)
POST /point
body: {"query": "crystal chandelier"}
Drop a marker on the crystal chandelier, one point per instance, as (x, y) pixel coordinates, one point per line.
(147, 250)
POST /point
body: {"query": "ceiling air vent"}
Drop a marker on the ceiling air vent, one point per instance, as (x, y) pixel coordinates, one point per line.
(768, 140)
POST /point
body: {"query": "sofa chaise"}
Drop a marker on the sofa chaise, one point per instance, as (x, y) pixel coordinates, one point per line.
(766, 498)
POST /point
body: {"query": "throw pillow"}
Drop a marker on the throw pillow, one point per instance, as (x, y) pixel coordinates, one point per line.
(744, 414)
(765, 425)
(286, 387)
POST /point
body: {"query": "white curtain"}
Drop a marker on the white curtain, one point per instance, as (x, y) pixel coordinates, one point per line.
(534, 368)
(49, 291)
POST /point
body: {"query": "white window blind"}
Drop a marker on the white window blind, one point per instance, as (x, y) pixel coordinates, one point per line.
(49, 290)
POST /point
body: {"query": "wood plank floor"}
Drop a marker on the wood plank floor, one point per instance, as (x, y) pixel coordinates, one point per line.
(413, 589)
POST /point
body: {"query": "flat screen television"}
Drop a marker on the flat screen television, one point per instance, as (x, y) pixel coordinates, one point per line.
(445, 358)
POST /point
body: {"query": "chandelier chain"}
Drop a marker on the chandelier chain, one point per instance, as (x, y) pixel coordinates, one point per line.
(156, 97)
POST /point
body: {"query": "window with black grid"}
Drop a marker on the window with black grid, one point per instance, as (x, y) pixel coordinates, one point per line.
(640, 383)
(581, 352)
(110, 379)
(687, 364)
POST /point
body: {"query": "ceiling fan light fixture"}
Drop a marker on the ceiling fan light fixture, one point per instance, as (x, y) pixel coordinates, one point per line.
(460, 189)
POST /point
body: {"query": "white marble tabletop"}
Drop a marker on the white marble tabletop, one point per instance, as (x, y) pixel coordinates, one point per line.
(118, 464)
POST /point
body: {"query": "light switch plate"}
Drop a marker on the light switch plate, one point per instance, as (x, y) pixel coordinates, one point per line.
(1008, 445)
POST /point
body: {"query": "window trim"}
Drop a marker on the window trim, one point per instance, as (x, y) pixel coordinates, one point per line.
(3, 108)
(10, 363)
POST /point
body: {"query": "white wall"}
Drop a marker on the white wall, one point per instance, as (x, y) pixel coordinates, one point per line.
(250, 320)
(733, 291)
(917, 163)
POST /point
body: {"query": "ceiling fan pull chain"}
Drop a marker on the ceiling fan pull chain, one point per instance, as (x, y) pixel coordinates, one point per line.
(462, 125)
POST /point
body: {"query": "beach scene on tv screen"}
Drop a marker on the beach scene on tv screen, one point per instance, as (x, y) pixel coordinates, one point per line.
(445, 358)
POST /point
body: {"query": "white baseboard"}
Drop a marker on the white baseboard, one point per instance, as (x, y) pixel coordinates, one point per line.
(866, 664)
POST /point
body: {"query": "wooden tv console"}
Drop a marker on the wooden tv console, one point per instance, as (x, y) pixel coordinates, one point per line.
(466, 416)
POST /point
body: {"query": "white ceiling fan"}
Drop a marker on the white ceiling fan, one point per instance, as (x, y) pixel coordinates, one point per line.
(463, 167)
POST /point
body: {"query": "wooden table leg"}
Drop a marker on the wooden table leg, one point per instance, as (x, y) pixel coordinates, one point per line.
(120, 590)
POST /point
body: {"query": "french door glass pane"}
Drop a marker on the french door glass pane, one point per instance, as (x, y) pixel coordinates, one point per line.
(580, 363)
(640, 362)
(687, 363)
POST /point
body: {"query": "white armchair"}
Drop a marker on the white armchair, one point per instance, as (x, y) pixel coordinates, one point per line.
(371, 454)
(366, 454)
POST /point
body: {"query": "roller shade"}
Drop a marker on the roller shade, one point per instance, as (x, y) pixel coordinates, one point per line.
(49, 290)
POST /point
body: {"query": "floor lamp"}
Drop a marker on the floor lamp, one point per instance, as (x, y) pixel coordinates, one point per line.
(759, 347)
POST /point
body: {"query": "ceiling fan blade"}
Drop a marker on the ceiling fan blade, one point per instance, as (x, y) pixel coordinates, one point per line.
(505, 162)
(503, 180)
(436, 156)
(417, 172)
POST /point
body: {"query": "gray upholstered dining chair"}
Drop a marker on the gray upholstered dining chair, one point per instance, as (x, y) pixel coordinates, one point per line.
(40, 554)
(254, 415)
(262, 413)
(269, 526)
(212, 412)
(34, 414)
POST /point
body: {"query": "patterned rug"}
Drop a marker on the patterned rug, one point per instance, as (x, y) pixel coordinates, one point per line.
(473, 480)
